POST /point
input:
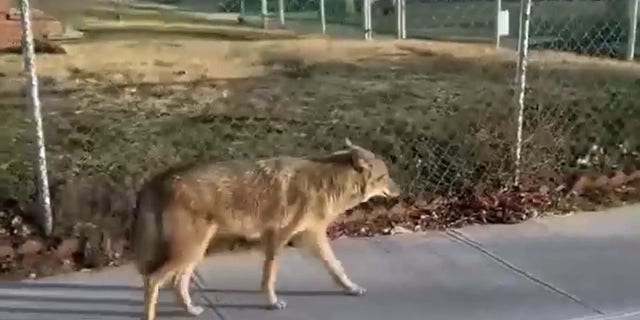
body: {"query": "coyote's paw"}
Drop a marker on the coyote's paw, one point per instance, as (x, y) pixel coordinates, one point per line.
(356, 291)
(195, 310)
(278, 305)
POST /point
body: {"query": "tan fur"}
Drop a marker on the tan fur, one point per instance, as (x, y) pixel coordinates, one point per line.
(179, 211)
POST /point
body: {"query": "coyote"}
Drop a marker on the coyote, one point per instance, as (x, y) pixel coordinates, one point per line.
(271, 200)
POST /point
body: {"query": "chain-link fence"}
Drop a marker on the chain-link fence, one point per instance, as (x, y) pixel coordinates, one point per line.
(445, 124)
(586, 27)
(580, 117)
(593, 27)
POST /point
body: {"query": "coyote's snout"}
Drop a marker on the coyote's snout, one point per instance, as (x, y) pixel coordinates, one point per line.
(179, 211)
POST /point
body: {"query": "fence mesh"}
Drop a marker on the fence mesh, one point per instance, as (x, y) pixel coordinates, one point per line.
(580, 120)
(580, 117)
(584, 26)
(450, 19)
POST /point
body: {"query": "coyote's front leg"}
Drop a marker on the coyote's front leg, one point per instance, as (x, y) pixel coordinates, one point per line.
(317, 242)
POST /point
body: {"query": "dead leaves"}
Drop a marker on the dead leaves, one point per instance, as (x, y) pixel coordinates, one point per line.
(504, 206)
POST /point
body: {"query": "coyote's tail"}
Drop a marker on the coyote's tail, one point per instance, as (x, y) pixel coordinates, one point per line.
(147, 232)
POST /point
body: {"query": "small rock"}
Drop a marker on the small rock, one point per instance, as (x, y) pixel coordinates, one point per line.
(32, 275)
(400, 230)
(16, 221)
(30, 247)
(25, 230)
(6, 252)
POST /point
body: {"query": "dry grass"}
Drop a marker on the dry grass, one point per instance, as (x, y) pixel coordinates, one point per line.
(147, 59)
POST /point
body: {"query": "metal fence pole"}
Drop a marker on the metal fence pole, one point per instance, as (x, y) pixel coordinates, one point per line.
(633, 27)
(403, 17)
(264, 13)
(281, 12)
(366, 13)
(398, 6)
(519, 46)
(523, 46)
(369, 25)
(498, 10)
(323, 18)
(34, 99)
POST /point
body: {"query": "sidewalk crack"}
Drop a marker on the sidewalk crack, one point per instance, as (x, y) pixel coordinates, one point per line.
(199, 284)
(461, 238)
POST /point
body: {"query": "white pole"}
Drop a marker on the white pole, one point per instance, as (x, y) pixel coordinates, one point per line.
(497, 21)
(369, 28)
(403, 24)
(281, 12)
(523, 45)
(34, 99)
(365, 19)
(323, 19)
(398, 6)
(633, 27)
(264, 13)
(520, 33)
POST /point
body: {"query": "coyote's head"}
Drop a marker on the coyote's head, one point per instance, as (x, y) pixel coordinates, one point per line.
(374, 171)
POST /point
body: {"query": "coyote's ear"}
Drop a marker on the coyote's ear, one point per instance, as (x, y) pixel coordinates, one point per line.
(359, 161)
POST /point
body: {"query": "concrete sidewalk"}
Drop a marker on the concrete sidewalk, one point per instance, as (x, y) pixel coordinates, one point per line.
(576, 267)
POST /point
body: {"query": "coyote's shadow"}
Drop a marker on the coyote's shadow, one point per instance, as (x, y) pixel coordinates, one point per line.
(63, 300)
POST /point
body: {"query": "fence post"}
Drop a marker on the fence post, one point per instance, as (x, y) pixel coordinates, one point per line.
(323, 18)
(401, 19)
(398, 5)
(498, 11)
(633, 27)
(403, 24)
(281, 12)
(264, 13)
(366, 13)
(523, 47)
(30, 66)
